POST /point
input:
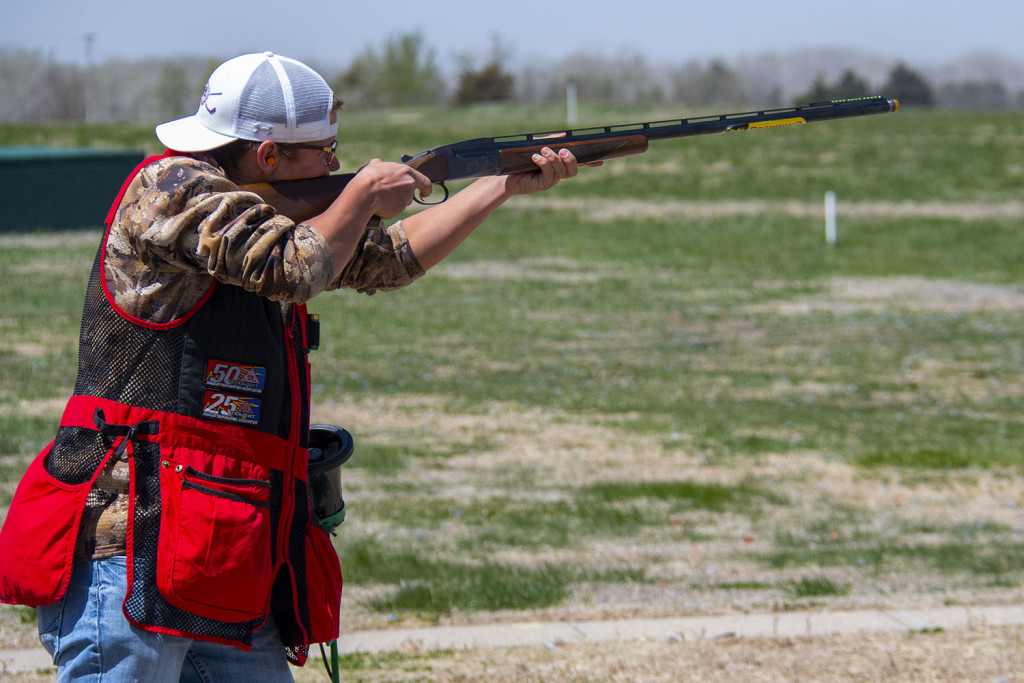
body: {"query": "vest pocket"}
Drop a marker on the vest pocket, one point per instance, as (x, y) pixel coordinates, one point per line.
(214, 557)
(37, 541)
(323, 585)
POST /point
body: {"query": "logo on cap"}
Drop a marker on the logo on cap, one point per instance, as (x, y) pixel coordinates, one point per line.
(206, 96)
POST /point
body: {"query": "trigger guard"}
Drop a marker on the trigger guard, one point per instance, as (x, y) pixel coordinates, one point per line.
(416, 198)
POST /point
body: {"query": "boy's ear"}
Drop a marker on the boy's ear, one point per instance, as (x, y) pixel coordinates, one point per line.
(267, 155)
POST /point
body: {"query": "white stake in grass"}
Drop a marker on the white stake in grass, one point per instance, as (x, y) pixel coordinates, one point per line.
(570, 100)
(830, 217)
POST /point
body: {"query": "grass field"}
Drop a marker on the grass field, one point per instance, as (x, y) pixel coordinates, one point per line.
(655, 390)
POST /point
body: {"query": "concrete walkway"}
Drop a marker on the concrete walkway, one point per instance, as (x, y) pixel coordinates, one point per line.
(786, 624)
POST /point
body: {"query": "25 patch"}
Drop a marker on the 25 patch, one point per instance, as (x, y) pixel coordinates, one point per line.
(218, 405)
(224, 375)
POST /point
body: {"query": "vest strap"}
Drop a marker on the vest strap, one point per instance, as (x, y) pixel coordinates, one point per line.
(112, 431)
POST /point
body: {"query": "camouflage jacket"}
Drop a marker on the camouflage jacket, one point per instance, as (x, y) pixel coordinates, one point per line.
(182, 224)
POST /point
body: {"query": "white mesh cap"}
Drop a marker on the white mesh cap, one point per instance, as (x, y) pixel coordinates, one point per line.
(256, 97)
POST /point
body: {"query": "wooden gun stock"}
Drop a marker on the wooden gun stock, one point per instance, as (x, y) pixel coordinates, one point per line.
(520, 160)
(301, 199)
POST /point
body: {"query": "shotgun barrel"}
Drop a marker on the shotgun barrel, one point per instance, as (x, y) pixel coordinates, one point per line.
(513, 153)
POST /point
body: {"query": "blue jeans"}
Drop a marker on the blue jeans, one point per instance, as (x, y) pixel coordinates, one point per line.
(91, 640)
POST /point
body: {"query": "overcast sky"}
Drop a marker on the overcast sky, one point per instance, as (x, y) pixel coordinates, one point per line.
(329, 34)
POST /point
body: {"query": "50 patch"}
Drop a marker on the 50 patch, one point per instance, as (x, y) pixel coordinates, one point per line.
(248, 378)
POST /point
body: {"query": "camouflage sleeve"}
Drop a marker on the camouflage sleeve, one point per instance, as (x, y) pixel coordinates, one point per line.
(182, 216)
(383, 261)
(182, 224)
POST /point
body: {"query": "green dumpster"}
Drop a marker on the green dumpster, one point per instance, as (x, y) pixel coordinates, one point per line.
(57, 188)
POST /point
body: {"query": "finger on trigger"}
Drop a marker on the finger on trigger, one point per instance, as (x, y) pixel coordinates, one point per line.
(423, 183)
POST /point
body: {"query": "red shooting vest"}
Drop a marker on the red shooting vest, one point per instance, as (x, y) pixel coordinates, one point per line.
(212, 411)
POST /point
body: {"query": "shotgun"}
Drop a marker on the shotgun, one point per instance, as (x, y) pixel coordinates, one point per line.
(302, 199)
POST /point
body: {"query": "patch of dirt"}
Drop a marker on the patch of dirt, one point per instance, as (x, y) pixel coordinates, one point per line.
(51, 240)
(550, 269)
(967, 655)
(609, 210)
(50, 407)
(33, 351)
(850, 295)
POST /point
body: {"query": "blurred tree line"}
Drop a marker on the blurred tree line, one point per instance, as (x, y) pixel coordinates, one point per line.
(404, 71)
(903, 83)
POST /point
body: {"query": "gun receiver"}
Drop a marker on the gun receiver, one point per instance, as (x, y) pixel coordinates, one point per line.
(514, 153)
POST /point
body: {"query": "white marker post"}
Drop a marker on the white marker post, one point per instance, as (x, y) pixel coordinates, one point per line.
(830, 217)
(570, 99)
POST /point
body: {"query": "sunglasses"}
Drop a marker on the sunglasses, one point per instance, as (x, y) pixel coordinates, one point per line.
(329, 150)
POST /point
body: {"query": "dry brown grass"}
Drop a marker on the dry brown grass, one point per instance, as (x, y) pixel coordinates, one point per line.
(598, 211)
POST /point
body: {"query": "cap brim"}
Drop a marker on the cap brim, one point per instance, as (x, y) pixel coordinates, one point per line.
(189, 135)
